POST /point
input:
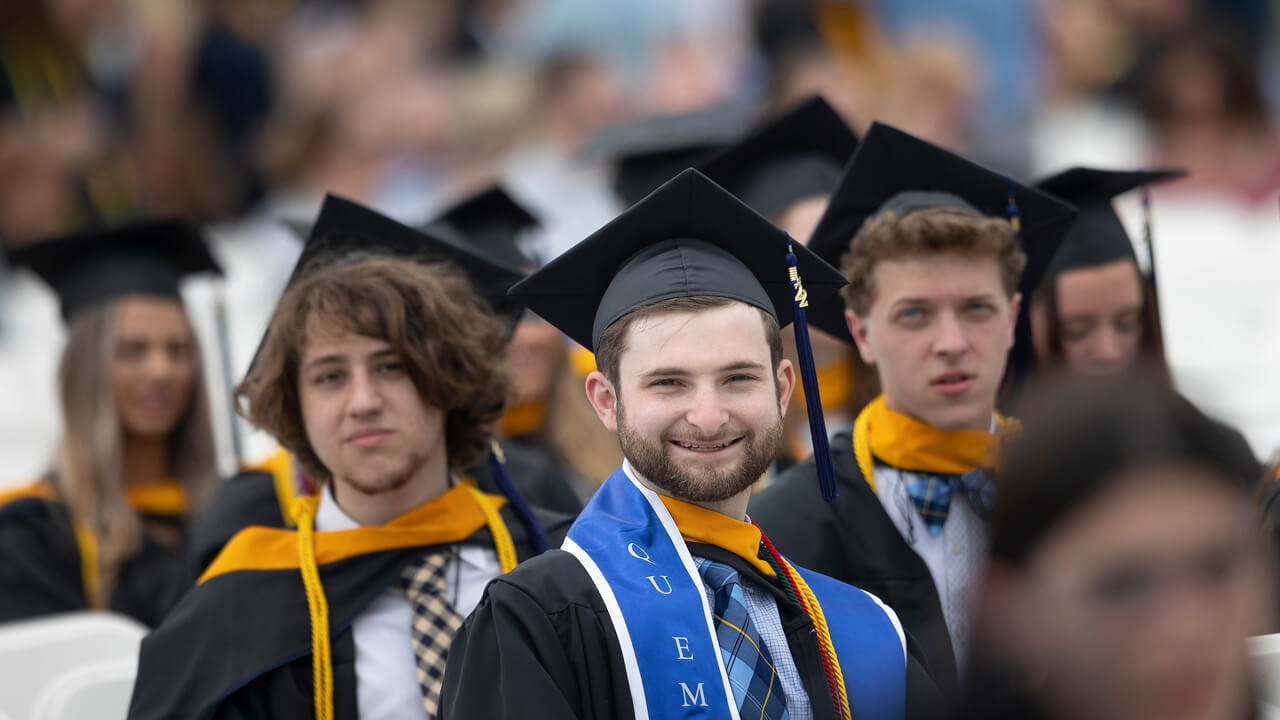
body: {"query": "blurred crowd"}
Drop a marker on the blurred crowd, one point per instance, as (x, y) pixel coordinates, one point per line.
(1119, 574)
(241, 114)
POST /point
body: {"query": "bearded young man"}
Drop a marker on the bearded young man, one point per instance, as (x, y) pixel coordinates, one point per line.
(935, 267)
(665, 600)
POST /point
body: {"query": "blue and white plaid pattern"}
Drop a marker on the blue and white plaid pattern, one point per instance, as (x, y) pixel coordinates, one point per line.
(931, 495)
(752, 676)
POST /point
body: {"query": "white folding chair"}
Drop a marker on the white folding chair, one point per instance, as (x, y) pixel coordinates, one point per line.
(101, 691)
(37, 653)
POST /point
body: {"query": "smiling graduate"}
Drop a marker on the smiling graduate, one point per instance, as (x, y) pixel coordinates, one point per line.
(666, 600)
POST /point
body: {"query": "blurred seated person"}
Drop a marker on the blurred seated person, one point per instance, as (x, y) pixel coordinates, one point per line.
(1095, 312)
(105, 528)
(1126, 563)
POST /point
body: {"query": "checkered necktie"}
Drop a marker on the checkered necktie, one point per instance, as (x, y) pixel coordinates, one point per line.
(756, 687)
(931, 494)
(434, 622)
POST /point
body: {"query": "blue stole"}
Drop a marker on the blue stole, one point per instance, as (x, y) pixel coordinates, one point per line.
(631, 548)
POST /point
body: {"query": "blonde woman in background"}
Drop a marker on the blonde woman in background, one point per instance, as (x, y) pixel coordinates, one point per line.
(105, 529)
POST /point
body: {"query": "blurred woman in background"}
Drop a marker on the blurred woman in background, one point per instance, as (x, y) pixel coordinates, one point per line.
(1126, 564)
(105, 529)
(1095, 312)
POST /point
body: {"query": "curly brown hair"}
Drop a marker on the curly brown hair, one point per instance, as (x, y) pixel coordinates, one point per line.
(449, 339)
(890, 236)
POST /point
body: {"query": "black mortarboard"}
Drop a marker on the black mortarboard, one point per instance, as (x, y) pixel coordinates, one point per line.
(794, 156)
(491, 221)
(1097, 236)
(98, 265)
(650, 151)
(688, 238)
(347, 230)
(894, 171)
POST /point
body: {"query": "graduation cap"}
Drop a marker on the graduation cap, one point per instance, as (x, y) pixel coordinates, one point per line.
(894, 171)
(491, 221)
(688, 238)
(98, 265)
(649, 151)
(1097, 236)
(794, 156)
(346, 230)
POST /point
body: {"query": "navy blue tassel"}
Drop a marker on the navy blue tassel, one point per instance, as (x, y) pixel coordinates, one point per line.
(1147, 239)
(809, 378)
(1021, 357)
(498, 465)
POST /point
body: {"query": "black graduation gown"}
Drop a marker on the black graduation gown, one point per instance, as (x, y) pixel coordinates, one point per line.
(541, 645)
(40, 567)
(245, 499)
(855, 541)
(239, 644)
(249, 498)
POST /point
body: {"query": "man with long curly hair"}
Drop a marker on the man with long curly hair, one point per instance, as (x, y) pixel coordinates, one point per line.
(381, 372)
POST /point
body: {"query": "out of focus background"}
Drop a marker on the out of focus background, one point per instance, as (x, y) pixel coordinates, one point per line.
(241, 114)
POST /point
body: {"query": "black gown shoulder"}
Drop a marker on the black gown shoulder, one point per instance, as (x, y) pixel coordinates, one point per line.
(543, 635)
(41, 568)
(243, 500)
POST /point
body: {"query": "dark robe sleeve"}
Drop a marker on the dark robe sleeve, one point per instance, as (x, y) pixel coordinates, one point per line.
(924, 699)
(287, 691)
(539, 645)
(39, 561)
(151, 583)
(245, 499)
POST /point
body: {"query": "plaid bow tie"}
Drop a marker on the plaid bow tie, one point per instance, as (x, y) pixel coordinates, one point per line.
(435, 621)
(931, 495)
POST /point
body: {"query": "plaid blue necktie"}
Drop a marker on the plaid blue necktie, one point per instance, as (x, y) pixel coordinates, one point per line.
(931, 494)
(756, 687)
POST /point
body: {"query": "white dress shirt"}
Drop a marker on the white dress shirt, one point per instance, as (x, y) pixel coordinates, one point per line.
(955, 557)
(386, 669)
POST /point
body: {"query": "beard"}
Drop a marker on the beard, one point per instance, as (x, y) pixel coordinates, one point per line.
(654, 462)
(371, 481)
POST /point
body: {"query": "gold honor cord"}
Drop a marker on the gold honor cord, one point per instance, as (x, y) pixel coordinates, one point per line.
(304, 514)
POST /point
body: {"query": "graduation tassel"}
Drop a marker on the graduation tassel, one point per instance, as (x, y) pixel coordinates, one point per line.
(1020, 357)
(1147, 238)
(809, 378)
(1148, 242)
(498, 466)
